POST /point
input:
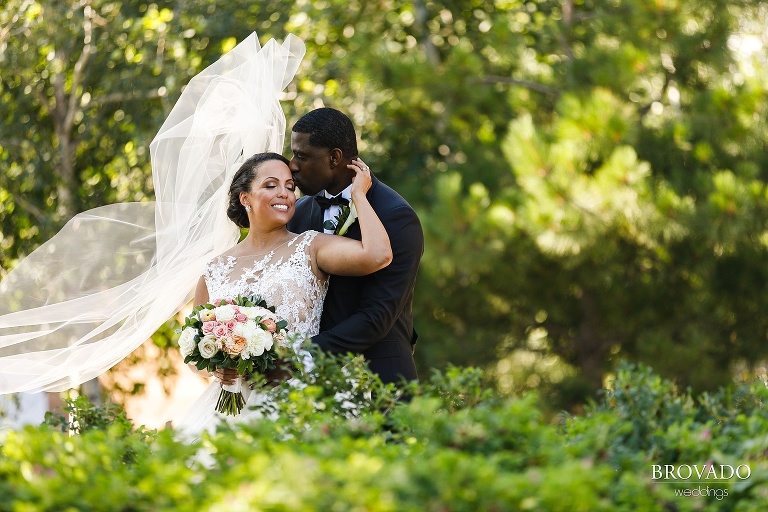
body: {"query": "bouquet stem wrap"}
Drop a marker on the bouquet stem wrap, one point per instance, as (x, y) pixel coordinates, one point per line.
(231, 400)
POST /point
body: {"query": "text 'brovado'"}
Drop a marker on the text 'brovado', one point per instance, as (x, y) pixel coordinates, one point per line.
(701, 472)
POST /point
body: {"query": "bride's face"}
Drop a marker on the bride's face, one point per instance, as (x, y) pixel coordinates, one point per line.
(272, 194)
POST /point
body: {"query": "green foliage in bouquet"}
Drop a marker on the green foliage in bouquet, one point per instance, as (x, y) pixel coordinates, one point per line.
(344, 441)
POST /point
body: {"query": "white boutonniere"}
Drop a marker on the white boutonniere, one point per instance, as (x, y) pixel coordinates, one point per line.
(346, 217)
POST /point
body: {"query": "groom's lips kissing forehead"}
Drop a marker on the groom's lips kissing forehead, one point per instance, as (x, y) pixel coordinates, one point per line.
(297, 180)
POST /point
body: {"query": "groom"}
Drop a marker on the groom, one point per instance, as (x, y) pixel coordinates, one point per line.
(369, 315)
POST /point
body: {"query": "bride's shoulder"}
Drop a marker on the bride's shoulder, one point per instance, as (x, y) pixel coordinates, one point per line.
(240, 250)
(310, 238)
(223, 260)
(226, 258)
(305, 236)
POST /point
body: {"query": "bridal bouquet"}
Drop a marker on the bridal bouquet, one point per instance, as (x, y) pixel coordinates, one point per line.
(240, 333)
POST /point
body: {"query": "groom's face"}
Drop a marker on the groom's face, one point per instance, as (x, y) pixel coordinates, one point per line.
(313, 167)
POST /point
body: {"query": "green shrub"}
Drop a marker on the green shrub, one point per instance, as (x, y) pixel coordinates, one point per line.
(449, 444)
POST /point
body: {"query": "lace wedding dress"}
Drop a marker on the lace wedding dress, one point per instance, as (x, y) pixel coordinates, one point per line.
(285, 280)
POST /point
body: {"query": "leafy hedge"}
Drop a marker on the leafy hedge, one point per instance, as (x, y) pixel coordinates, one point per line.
(454, 446)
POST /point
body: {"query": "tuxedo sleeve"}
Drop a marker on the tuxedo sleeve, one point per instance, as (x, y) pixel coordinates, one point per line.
(384, 293)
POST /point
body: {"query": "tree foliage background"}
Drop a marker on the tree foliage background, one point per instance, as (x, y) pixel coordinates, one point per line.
(591, 175)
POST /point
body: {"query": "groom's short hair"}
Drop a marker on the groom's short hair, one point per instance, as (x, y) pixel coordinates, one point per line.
(329, 128)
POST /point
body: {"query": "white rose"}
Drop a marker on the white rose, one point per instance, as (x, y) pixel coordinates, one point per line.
(259, 341)
(187, 340)
(225, 313)
(254, 312)
(245, 329)
(208, 347)
(248, 311)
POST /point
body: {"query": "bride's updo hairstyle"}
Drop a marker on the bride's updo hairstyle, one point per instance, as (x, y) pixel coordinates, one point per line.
(242, 183)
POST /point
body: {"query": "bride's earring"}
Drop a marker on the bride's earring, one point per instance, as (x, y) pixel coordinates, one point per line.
(248, 208)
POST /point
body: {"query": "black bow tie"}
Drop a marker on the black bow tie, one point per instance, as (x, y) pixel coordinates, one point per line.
(327, 202)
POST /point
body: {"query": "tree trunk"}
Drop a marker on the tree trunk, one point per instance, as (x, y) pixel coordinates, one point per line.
(65, 108)
(591, 347)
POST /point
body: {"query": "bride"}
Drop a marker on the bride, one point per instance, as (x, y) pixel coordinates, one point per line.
(287, 270)
(113, 275)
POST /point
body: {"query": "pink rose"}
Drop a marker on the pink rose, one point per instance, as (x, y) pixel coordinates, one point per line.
(240, 317)
(220, 330)
(208, 327)
(269, 324)
(231, 325)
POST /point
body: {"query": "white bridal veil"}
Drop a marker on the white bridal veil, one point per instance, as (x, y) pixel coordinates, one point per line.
(104, 284)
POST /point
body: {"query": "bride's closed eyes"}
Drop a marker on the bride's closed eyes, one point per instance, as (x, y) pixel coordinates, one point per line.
(273, 183)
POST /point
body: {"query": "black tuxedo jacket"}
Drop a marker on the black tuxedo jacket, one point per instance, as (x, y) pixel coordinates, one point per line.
(373, 315)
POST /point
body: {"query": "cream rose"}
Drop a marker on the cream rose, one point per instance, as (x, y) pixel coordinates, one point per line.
(208, 347)
(206, 315)
(187, 341)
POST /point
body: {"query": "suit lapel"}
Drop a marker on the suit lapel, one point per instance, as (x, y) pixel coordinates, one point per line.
(354, 229)
(315, 216)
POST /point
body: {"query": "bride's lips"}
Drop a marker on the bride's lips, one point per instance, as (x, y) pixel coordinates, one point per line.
(281, 207)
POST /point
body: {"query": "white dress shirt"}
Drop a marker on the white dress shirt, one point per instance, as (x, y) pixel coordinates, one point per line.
(334, 210)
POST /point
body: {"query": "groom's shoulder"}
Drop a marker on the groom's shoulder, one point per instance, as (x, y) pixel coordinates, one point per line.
(304, 202)
(300, 221)
(304, 199)
(386, 197)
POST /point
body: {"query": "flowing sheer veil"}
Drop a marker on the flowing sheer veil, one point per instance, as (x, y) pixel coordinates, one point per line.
(104, 284)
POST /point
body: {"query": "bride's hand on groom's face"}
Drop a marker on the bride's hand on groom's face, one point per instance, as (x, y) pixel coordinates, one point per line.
(226, 375)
